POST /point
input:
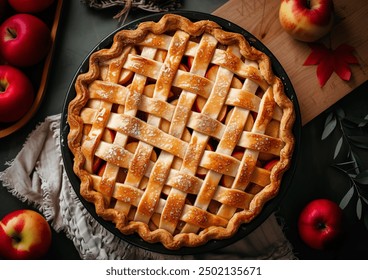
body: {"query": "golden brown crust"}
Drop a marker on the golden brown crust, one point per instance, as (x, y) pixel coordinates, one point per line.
(158, 209)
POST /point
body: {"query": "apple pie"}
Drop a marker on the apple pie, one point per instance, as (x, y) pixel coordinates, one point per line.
(180, 131)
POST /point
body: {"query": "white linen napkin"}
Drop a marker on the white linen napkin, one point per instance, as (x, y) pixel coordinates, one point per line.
(37, 175)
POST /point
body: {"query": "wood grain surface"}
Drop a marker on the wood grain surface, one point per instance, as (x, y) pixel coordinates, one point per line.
(260, 17)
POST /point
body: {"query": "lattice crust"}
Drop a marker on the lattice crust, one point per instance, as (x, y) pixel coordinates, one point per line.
(175, 128)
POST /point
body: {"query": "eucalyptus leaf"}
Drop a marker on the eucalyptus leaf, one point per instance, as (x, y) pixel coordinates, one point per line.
(338, 147)
(347, 197)
(345, 169)
(348, 124)
(349, 170)
(359, 141)
(349, 154)
(362, 177)
(356, 121)
(363, 122)
(329, 127)
(359, 209)
(340, 113)
(364, 200)
(345, 163)
(330, 116)
(355, 159)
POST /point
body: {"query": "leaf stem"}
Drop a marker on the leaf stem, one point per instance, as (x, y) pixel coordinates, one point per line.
(351, 167)
(347, 140)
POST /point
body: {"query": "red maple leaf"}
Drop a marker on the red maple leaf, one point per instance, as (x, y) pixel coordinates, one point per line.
(330, 61)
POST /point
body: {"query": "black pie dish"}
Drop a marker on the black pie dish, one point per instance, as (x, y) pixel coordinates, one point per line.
(244, 229)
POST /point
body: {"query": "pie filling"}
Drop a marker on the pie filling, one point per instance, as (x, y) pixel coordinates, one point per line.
(181, 132)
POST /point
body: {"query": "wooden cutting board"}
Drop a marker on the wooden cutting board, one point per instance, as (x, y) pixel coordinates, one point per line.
(260, 17)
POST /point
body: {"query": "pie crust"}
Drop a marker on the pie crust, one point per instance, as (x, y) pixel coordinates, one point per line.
(174, 131)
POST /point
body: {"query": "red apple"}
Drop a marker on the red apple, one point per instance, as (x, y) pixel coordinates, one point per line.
(24, 40)
(16, 94)
(320, 224)
(306, 20)
(24, 234)
(108, 135)
(190, 62)
(97, 162)
(184, 67)
(212, 72)
(199, 104)
(30, 6)
(101, 170)
(270, 164)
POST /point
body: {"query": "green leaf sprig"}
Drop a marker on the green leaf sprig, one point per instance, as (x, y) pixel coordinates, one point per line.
(354, 136)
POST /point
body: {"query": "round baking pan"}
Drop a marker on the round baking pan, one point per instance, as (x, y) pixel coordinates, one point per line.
(244, 229)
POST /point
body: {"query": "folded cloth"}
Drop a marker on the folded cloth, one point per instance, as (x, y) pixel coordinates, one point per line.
(37, 175)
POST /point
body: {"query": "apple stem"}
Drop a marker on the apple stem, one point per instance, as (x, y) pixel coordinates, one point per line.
(16, 238)
(321, 225)
(12, 33)
(308, 4)
(3, 87)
